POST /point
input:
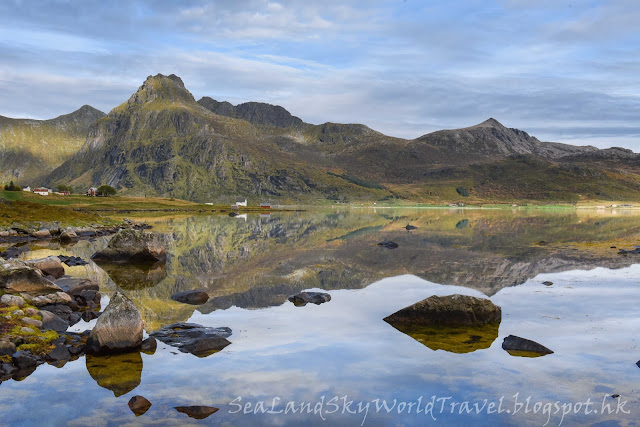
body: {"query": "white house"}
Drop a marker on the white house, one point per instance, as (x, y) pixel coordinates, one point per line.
(41, 191)
(27, 189)
(238, 204)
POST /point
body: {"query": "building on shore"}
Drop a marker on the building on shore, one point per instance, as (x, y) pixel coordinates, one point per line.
(41, 191)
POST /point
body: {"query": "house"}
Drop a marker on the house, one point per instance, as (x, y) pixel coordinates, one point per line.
(265, 205)
(41, 191)
(27, 189)
(63, 193)
(238, 204)
(93, 191)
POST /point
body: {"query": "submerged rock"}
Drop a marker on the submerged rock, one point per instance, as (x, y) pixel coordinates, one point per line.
(133, 246)
(523, 347)
(192, 338)
(139, 405)
(451, 310)
(50, 265)
(303, 298)
(194, 297)
(197, 412)
(119, 328)
(388, 244)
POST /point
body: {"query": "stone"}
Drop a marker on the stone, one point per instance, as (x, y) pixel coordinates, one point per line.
(89, 315)
(194, 297)
(7, 348)
(72, 261)
(25, 330)
(119, 328)
(133, 246)
(62, 311)
(192, 338)
(50, 265)
(42, 234)
(61, 298)
(149, 345)
(68, 236)
(12, 300)
(30, 311)
(451, 310)
(197, 412)
(17, 313)
(139, 405)
(547, 283)
(24, 359)
(517, 346)
(32, 322)
(388, 244)
(59, 353)
(410, 227)
(16, 277)
(303, 298)
(75, 286)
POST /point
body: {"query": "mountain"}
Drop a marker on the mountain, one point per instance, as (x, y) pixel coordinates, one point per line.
(33, 148)
(162, 142)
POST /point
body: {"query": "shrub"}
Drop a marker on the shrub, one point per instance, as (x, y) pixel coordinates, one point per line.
(462, 191)
(106, 190)
(63, 187)
(12, 187)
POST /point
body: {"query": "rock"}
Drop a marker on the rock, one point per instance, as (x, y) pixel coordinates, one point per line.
(17, 313)
(42, 234)
(52, 321)
(133, 246)
(24, 359)
(410, 227)
(388, 244)
(139, 405)
(149, 345)
(638, 363)
(72, 261)
(547, 283)
(62, 311)
(119, 327)
(12, 300)
(26, 330)
(615, 396)
(50, 265)
(75, 286)
(451, 310)
(30, 311)
(32, 322)
(16, 277)
(197, 412)
(59, 353)
(7, 348)
(89, 315)
(61, 298)
(517, 346)
(192, 338)
(303, 298)
(119, 373)
(193, 297)
(68, 236)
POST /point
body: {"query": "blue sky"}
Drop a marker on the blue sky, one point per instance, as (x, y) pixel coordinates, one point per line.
(562, 70)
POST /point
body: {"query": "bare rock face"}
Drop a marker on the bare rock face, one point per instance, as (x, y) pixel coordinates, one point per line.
(50, 265)
(451, 310)
(119, 328)
(133, 246)
(16, 277)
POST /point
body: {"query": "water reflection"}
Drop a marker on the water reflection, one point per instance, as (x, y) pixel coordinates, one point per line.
(454, 339)
(119, 373)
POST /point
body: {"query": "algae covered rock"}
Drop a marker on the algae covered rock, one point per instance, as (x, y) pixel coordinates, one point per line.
(119, 328)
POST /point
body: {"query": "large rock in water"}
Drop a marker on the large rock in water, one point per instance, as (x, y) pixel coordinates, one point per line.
(119, 328)
(133, 246)
(303, 298)
(192, 338)
(16, 277)
(50, 265)
(523, 347)
(194, 297)
(451, 310)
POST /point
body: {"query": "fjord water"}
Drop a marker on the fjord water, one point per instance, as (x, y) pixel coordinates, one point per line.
(342, 351)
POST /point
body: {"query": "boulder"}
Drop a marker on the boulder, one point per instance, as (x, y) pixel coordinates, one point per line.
(24, 359)
(192, 338)
(451, 310)
(517, 346)
(149, 345)
(119, 328)
(75, 286)
(60, 310)
(16, 277)
(68, 236)
(42, 234)
(72, 261)
(31, 322)
(303, 298)
(388, 244)
(133, 246)
(12, 300)
(53, 321)
(7, 348)
(194, 297)
(59, 353)
(50, 265)
(197, 412)
(60, 298)
(547, 283)
(139, 405)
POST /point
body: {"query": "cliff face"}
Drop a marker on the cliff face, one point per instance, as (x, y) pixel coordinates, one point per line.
(32, 148)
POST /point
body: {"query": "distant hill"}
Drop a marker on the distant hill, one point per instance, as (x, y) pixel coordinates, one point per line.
(162, 142)
(33, 148)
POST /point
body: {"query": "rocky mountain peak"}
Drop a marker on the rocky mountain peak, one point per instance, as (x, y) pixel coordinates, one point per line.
(257, 113)
(162, 88)
(489, 123)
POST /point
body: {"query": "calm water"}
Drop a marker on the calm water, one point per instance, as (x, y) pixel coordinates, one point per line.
(342, 351)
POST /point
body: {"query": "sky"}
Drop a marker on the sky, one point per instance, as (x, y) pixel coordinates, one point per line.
(565, 71)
